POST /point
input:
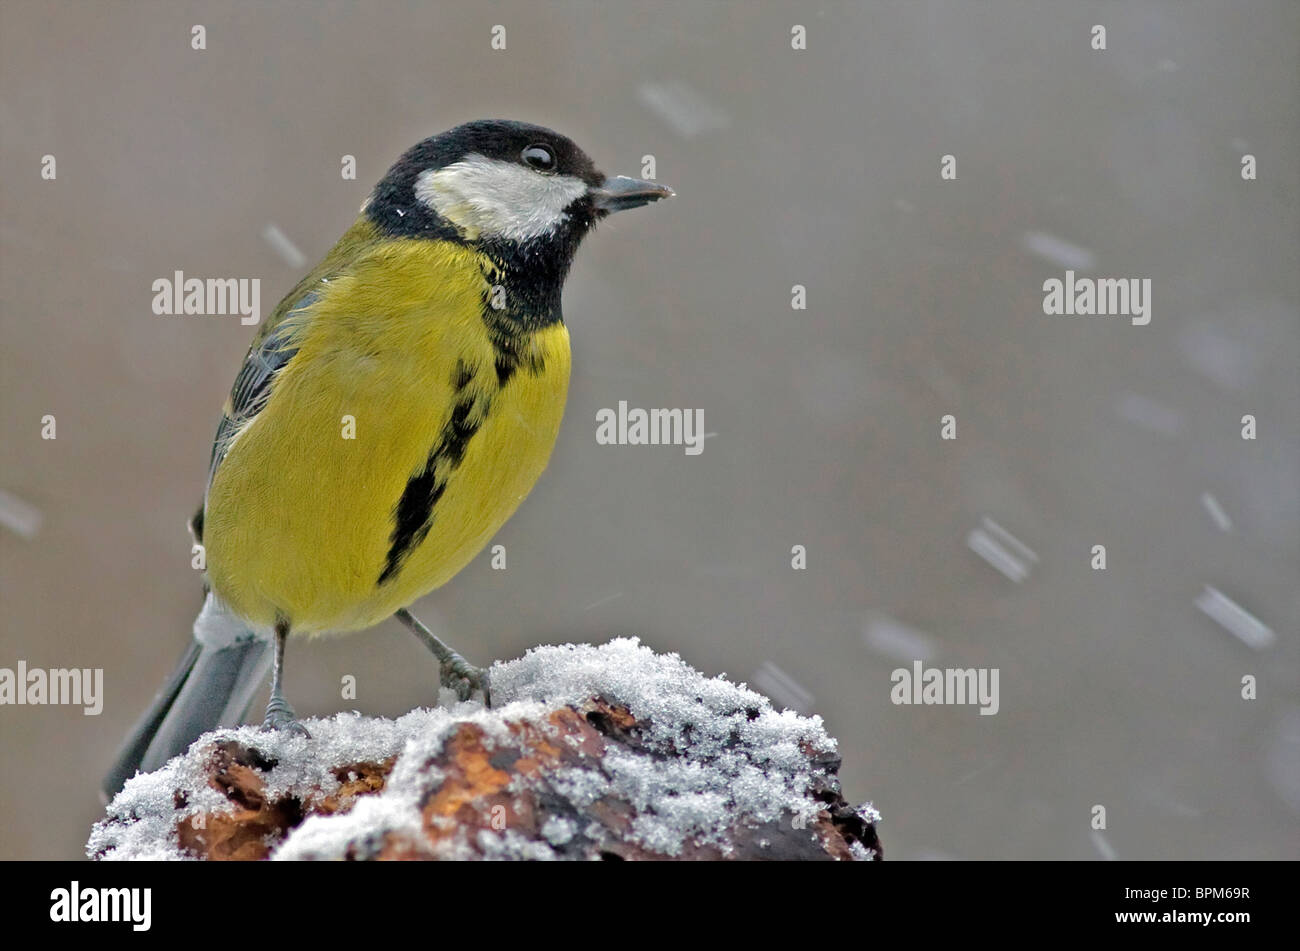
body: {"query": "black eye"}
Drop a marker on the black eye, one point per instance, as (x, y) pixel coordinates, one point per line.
(539, 157)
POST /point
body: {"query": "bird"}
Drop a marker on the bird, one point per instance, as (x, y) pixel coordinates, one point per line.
(391, 414)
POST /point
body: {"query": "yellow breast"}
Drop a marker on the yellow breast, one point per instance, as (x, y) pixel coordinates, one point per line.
(391, 449)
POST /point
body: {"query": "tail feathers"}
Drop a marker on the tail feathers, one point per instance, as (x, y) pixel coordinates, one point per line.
(210, 688)
(137, 742)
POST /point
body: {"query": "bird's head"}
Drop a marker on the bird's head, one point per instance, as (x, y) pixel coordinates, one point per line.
(499, 182)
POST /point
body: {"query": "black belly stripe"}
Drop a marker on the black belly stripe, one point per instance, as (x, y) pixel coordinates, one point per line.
(413, 516)
(464, 374)
(510, 329)
(505, 364)
(456, 434)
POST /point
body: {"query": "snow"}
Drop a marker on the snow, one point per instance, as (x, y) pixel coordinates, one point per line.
(729, 754)
(557, 830)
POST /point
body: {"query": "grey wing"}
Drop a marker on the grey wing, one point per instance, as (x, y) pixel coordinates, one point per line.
(251, 391)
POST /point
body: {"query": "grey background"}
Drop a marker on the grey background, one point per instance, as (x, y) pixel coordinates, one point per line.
(819, 168)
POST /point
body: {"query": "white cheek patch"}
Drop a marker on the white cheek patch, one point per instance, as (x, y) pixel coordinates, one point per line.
(484, 196)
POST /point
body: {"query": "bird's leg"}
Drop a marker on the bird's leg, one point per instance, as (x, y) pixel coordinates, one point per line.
(279, 715)
(457, 673)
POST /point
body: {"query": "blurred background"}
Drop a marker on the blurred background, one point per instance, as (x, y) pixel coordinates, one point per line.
(816, 167)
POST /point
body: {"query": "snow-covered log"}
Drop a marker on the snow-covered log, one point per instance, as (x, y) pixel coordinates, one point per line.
(609, 752)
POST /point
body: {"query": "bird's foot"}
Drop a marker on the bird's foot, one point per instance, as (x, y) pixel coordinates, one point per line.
(280, 716)
(464, 678)
(455, 672)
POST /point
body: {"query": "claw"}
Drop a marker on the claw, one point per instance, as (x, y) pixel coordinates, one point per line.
(464, 678)
(454, 672)
(280, 716)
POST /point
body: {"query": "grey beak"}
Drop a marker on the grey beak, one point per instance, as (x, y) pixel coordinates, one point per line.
(620, 192)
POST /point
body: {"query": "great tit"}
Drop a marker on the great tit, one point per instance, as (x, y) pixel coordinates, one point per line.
(392, 413)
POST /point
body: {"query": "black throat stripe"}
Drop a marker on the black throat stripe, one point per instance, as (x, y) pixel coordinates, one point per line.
(515, 305)
(512, 310)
